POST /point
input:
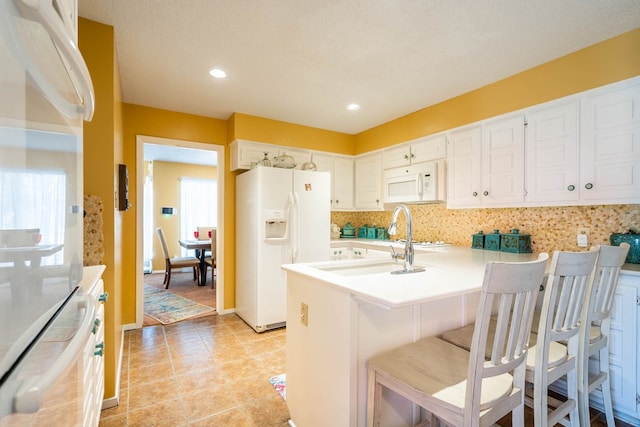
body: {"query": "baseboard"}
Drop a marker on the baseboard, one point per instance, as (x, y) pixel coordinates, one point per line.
(114, 401)
(229, 311)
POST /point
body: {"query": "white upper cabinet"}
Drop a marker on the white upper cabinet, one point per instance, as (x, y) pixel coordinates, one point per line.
(503, 161)
(486, 164)
(552, 173)
(464, 167)
(416, 151)
(368, 177)
(343, 184)
(244, 153)
(610, 156)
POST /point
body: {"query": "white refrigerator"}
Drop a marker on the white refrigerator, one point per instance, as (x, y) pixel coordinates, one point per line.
(282, 217)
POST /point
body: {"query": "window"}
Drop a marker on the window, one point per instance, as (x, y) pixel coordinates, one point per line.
(39, 203)
(198, 206)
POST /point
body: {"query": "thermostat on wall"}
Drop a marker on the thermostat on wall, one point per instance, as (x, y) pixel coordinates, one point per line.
(169, 211)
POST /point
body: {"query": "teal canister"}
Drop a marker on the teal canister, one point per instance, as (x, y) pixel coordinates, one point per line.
(477, 240)
(381, 233)
(492, 241)
(515, 242)
(362, 232)
(348, 230)
(371, 232)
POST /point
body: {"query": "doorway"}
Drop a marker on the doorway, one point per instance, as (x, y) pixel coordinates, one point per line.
(176, 151)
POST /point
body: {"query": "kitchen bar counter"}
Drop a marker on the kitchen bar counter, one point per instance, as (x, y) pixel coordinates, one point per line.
(449, 271)
(337, 320)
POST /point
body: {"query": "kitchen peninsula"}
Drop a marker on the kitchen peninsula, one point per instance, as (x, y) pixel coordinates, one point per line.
(342, 312)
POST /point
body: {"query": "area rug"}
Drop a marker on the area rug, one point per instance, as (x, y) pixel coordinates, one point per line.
(279, 382)
(167, 307)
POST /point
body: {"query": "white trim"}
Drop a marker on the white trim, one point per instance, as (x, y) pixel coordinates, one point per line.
(115, 401)
(220, 149)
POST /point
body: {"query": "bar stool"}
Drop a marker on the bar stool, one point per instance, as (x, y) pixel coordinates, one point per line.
(457, 386)
(594, 332)
(555, 352)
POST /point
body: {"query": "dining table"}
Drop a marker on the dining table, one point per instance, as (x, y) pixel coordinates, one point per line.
(200, 247)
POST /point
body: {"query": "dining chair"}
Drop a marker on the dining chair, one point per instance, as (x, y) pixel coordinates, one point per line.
(211, 259)
(594, 331)
(175, 262)
(460, 387)
(554, 354)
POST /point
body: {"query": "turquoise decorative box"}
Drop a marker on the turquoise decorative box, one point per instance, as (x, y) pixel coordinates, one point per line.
(492, 241)
(477, 240)
(362, 232)
(371, 232)
(515, 242)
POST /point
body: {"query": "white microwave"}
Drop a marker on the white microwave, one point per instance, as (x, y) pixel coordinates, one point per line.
(420, 183)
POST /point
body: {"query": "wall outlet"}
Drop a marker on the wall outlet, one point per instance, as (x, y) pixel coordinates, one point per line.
(304, 314)
(583, 237)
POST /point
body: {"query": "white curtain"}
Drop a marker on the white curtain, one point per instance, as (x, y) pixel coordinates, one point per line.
(40, 203)
(198, 206)
(147, 250)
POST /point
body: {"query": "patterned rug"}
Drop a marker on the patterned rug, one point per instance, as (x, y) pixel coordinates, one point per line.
(167, 307)
(279, 382)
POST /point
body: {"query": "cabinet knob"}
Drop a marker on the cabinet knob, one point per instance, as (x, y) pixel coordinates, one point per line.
(571, 187)
(413, 156)
(337, 201)
(104, 297)
(406, 157)
(377, 201)
(475, 194)
(588, 186)
(486, 193)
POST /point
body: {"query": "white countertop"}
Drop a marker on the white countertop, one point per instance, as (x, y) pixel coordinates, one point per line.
(450, 271)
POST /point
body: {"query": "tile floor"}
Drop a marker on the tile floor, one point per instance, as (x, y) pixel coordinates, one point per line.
(211, 371)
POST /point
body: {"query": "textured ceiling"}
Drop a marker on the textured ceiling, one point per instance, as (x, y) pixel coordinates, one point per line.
(303, 61)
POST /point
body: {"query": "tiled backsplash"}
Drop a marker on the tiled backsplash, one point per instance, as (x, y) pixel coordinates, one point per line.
(551, 228)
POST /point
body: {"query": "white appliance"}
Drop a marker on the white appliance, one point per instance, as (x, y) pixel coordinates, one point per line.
(419, 183)
(282, 217)
(45, 318)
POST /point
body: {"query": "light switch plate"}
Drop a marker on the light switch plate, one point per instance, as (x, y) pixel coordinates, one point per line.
(583, 237)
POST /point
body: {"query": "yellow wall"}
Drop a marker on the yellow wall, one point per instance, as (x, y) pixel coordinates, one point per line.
(139, 120)
(102, 154)
(603, 63)
(254, 128)
(166, 192)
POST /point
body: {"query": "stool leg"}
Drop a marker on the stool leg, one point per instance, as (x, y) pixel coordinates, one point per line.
(605, 386)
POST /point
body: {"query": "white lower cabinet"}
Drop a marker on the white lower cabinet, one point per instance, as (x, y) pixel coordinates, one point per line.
(624, 346)
(93, 361)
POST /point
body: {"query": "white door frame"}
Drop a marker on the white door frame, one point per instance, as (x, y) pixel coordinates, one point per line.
(140, 141)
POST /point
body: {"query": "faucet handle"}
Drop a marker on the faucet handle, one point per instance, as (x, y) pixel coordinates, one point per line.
(394, 255)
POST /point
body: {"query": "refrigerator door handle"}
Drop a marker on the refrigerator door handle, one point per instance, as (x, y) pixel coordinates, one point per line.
(295, 236)
(28, 398)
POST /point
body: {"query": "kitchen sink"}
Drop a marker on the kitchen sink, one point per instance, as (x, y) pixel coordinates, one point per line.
(366, 268)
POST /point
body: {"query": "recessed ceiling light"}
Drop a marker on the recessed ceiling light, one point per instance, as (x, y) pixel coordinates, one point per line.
(218, 73)
(353, 107)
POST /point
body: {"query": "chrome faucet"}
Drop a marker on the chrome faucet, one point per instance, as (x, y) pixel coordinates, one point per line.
(408, 247)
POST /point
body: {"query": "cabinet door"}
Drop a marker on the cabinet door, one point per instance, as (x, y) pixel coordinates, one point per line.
(243, 153)
(464, 172)
(427, 149)
(503, 162)
(343, 184)
(368, 182)
(397, 157)
(623, 347)
(552, 154)
(610, 157)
